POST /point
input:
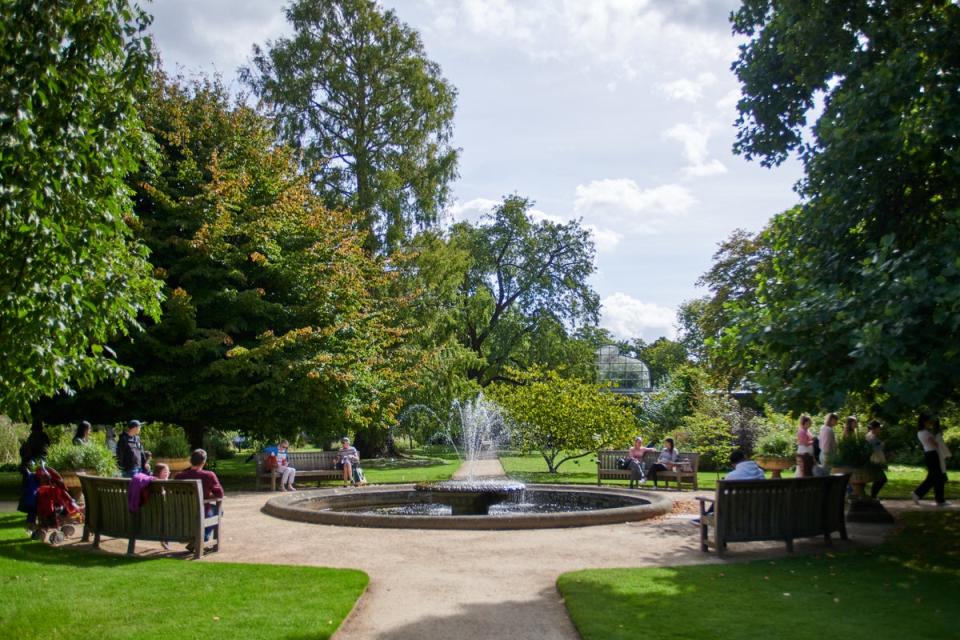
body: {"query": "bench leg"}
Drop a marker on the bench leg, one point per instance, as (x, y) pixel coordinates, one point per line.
(131, 545)
(86, 534)
(96, 540)
(827, 539)
(789, 542)
(703, 537)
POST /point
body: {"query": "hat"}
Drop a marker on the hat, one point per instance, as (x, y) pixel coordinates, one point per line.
(133, 423)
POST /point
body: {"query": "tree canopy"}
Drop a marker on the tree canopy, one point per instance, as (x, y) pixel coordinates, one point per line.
(276, 320)
(354, 89)
(71, 273)
(524, 276)
(860, 293)
(564, 418)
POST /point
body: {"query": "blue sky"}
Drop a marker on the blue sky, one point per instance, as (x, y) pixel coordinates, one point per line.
(616, 112)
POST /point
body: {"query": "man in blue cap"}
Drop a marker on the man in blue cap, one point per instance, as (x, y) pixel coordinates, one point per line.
(131, 458)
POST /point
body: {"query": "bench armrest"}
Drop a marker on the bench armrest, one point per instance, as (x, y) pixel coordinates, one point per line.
(703, 501)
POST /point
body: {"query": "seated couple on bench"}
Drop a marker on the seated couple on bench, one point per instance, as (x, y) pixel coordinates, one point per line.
(668, 460)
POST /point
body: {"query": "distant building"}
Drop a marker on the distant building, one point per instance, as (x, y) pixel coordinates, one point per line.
(626, 374)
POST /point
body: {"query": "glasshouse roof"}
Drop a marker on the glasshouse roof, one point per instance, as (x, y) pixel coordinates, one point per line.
(627, 375)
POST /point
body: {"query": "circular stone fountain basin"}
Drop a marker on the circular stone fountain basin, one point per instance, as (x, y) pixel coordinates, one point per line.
(402, 506)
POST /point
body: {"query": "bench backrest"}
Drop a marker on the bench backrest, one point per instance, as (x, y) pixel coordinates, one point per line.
(302, 460)
(785, 508)
(692, 459)
(174, 511)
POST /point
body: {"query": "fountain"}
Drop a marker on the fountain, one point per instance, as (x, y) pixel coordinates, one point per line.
(478, 496)
(472, 494)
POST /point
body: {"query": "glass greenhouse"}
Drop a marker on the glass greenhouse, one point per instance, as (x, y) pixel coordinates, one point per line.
(627, 374)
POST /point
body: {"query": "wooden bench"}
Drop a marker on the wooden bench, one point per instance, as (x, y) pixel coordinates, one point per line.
(786, 509)
(686, 470)
(174, 512)
(310, 465)
(607, 468)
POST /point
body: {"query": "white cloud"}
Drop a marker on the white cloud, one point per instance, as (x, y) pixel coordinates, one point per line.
(626, 317)
(621, 36)
(540, 216)
(688, 90)
(695, 139)
(620, 203)
(605, 240)
(472, 210)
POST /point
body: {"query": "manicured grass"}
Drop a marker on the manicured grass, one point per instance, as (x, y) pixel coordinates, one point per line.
(50, 593)
(532, 468)
(904, 589)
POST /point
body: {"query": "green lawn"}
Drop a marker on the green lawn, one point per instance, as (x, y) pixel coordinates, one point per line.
(532, 468)
(904, 589)
(50, 593)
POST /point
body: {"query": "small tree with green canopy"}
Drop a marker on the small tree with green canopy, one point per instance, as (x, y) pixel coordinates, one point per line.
(71, 273)
(563, 418)
(354, 89)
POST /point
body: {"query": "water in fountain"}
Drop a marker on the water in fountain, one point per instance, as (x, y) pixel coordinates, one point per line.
(481, 430)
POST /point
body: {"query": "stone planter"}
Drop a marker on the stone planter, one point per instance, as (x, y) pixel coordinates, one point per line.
(774, 464)
(859, 477)
(72, 482)
(862, 508)
(175, 464)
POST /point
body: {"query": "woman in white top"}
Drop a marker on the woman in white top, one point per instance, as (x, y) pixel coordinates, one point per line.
(667, 460)
(936, 478)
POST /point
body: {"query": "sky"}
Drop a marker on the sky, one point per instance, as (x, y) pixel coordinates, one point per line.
(618, 113)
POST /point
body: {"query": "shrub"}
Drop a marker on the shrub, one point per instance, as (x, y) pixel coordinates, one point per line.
(171, 445)
(12, 435)
(218, 445)
(776, 444)
(708, 435)
(163, 440)
(851, 452)
(66, 456)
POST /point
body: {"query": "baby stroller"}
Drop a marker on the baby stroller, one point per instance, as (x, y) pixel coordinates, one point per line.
(51, 511)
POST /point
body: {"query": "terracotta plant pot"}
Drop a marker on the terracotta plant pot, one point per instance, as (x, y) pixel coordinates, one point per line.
(175, 464)
(775, 465)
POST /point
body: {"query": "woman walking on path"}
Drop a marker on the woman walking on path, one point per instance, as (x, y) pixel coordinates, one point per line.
(933, 458)
(804, 448)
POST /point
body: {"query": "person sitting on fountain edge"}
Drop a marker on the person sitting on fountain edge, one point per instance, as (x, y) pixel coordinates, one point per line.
(347, 458)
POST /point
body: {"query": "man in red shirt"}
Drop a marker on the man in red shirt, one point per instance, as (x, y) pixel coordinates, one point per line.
(209, 480)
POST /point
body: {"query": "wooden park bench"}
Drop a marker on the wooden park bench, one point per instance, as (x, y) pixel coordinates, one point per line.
(786, 509)
(310, 465)
(685, 471)
(174, 512)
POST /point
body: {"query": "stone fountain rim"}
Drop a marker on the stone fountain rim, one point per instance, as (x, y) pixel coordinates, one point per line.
(294, 506)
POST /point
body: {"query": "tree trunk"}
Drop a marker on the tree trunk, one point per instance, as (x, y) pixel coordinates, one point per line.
(195, 436)
(375, 442)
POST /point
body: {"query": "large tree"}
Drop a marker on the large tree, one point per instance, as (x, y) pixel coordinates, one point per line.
(354, 89)
(524, 277)
(71, 273)
(276, 320)
(862, 292)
